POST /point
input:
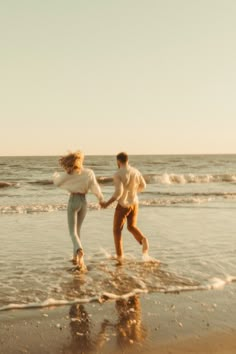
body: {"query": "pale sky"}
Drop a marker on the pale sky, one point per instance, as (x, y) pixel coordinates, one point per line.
(144, 76)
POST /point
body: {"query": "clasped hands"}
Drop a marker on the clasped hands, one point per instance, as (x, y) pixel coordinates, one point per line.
(104, 204)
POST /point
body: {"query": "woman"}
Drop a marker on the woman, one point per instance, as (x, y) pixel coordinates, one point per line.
(77, 180)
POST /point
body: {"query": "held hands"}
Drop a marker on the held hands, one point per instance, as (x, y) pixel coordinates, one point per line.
(104, 204)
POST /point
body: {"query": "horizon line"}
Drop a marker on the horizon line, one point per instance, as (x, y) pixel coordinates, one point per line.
(136, 154)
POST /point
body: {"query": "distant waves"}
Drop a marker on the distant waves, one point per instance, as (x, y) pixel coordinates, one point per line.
(8, 184)
(168, 179)
(161, 179)
(152, 201)
(189, 178)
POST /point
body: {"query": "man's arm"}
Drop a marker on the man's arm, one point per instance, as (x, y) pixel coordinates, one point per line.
(142, 184)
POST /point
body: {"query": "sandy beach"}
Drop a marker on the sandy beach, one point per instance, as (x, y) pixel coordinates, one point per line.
(188, 322)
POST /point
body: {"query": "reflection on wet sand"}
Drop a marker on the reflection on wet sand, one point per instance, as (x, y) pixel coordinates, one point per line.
(80, 326)
(127, 328)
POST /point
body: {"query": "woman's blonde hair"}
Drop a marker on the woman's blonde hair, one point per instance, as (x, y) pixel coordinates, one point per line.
(72, 162)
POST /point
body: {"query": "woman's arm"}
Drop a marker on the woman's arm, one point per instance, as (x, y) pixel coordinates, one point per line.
(94, 187)
(59, 179)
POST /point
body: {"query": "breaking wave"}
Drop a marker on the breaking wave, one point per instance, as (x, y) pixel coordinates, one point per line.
(105, 180)
(39, 208)
(171, 178)
(8, 184)
(189, 178)
(42, 182)
(29, 209)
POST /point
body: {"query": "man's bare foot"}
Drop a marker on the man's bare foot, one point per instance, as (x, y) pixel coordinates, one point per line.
(120, 260)
(145, 245)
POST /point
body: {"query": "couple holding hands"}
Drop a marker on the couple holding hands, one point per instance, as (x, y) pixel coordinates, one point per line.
(78, 181)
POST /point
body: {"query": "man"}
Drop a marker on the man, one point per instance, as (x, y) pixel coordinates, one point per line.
(128, 182)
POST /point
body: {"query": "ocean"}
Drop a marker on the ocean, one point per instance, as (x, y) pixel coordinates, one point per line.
(187, 212)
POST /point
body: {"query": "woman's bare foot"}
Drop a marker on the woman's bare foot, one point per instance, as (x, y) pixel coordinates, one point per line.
(80, 258)
(83, 268)
(74, 260)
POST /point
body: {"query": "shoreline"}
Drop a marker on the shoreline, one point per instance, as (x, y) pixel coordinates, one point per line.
(189, 322)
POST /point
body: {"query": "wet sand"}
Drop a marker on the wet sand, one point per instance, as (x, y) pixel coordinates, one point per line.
(188, 322)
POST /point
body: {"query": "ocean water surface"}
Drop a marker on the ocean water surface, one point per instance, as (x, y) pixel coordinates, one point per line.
(187, 211)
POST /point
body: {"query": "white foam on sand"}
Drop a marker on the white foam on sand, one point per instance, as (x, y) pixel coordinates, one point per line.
(52, 302)
(214, 283)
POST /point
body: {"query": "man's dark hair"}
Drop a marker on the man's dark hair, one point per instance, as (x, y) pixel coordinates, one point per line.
(122, 157)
